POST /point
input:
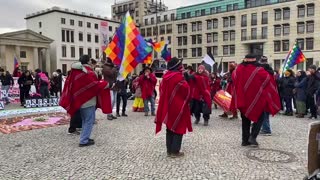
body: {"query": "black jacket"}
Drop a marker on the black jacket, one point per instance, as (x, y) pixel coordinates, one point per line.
(25, 82)
(7, 80)
(313, 85)
(287, 86)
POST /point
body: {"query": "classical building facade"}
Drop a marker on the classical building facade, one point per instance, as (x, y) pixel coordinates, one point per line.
(74, 34)
(32, 50)
(230, 29)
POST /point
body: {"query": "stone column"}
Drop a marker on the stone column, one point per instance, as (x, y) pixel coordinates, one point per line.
(17, 53)
(3, 60)
(35, 58)
(48, 62)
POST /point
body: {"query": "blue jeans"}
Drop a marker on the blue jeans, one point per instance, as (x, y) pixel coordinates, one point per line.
(266, 123)
(6, 96)
(88, 116)
(288, 101)
(146, 104)
(113, 95)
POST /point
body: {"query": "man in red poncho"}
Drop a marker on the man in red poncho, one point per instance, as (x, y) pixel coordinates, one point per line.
(201, 97)
(254, 93)
(173, 109)
(148, 83)
(80, 93)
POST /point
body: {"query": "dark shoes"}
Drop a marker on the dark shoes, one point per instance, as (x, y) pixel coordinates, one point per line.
(245, 143)
(197, 121)
(124, 115)
(118, 115)
(288, 113)
(89, 143)
(153, 114)
(206, 123)
(264, 133)
(253, 142)
(73, 133)
(224, 115)
(146, 114)
(111, 117)
(175, 155)
(300, 116)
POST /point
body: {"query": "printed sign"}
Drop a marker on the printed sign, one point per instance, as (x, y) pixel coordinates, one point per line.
(47, 102)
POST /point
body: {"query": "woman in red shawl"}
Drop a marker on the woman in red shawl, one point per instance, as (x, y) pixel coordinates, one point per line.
(215, 85)
(174, 92)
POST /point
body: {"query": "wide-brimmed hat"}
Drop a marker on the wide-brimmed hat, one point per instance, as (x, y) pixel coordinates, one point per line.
(174, 63)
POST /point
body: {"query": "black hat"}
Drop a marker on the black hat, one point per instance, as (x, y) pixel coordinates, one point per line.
(250, 58)
(174, 63)
(84, 59)
(264, 59)
(313, 67)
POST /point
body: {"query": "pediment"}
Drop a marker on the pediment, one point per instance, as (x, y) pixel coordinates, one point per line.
(26, 35)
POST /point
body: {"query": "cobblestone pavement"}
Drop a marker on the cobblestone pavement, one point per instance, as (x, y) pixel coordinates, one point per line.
(127, 148)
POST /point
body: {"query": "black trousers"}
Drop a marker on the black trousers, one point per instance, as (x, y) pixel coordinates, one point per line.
(312, 106)
(255, 129)
(75, 122)
(124, 102)
(173, 142)
(24, 93)
(198, 108)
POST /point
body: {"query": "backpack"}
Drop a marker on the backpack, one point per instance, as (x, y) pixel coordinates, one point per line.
(43, 79)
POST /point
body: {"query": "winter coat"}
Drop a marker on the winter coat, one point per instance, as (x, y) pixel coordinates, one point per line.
(287, 86)
(313, 85)
(301, 87)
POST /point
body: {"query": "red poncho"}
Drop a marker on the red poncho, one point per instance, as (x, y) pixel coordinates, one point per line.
(201, 88)
(147, 85)
(80, 87)
(173, 109)
(254, 91)
(215, 86)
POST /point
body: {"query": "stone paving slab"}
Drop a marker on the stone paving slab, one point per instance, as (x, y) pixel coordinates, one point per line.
(127, 148)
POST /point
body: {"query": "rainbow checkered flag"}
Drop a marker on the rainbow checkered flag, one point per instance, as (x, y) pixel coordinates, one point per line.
(127, 48)
(295, 56)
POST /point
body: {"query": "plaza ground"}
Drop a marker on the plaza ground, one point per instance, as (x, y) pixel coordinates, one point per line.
(127, 148)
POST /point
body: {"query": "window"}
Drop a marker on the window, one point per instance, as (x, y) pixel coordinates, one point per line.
(149, 32)
(254, 19)
(215, 23)
(152, 20)
(309, 43)
(172, 17)
(212, 10)
(89, 37)
(64, 68)
(194, 27)
(243, 34)
(96, 26)
(179, 28)
(143, 32)
(203, 12)
(264, 17)
(185, 53)
(96, 39)
(310, 9)
(300, 43)
(89, 52)
(73, 52)
(146, 22)
(162, 29)
(218, 9)
(158, 19)
(277, 46)
(68, 35)
(300, 27)
(277, 14)
(232, 35)
(97, 53)
(285, 45)
(301, 11)
(169, 28)
(277, 30)
(286, 29)
(225, 22)
(244, 20)
(209, 38)
(137, 13)
(169, 39)
(40, 24)
(64, 51)
(88, 25)
(229, 7)
(63, 21)
(225, 50)
(179, 41)
(199, 26)
(183, 15)
(23, 54)
(155, 31)
(80, 51)
(199, 52)
(162, 39)
(235, 6)
(197, 13)
(310, 26)
(264, 32)
(232, 21)
(232, 49)
(72, 36)
(253, 33)
(80, 23)
(225, 36)
(209, 24)
(277, 64)
(286, 13)
(63, 38)
(165, 18)
(71, 22)
(194, 39)
(179, 53)
(199, 38)
(215, 50)
(215, 37)
(185, 40)
(194, 52)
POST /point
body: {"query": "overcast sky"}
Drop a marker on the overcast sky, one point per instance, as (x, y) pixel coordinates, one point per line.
(13, 12)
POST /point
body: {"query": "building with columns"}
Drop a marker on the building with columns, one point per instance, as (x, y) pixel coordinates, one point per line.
(32, 50)
(74, 34)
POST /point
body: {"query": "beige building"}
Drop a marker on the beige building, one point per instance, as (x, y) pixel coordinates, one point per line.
(28, 47)
(137, 8)
(232, 29)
